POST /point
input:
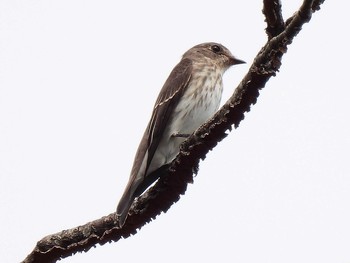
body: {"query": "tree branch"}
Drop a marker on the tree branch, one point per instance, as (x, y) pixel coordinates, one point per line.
(173, 183)
(273, 17)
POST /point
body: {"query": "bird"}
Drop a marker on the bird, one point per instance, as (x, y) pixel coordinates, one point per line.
(189, 97)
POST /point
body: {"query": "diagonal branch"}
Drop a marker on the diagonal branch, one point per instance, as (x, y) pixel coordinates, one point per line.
(273, 17)
(173, 183)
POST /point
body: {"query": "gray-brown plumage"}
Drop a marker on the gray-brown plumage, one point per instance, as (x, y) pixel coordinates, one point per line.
(189, 97)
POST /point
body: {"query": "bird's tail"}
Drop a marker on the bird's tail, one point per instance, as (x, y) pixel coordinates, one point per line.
(123, 208)
(135, 189)
(126, 202)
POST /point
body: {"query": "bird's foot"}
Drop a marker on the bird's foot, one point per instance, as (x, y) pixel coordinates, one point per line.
(180, 135)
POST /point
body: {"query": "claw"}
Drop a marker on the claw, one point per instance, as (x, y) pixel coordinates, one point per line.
(180, 135)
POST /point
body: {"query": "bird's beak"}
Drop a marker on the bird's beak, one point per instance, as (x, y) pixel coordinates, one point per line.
(235, 61)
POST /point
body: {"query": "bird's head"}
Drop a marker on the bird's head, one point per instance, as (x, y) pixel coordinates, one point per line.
(214, 53)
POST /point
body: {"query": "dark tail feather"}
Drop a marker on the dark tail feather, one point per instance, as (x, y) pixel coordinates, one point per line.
(131, 192)
(123, 207)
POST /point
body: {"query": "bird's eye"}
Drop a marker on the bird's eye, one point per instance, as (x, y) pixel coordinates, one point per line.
(215, 48)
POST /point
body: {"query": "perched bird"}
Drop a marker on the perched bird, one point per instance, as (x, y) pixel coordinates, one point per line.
(190, 96)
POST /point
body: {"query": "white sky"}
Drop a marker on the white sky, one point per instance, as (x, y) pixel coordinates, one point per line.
(78, 80)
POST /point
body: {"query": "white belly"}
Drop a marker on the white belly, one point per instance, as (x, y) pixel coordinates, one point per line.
(196, 106)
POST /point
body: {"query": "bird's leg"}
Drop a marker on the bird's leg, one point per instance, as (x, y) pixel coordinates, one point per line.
(180, 135)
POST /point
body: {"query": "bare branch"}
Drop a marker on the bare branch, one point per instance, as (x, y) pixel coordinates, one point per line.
(173, 183)
(273, 13)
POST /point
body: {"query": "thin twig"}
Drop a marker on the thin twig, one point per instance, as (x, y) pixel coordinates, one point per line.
(273, 17)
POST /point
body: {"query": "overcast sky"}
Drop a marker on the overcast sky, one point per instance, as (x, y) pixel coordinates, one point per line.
(78, 80)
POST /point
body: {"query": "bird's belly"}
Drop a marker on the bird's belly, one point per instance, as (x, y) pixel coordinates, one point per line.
(194, 109)
(192, 113)
(196, 106)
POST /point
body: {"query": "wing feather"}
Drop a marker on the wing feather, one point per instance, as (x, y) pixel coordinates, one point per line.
(166, 102)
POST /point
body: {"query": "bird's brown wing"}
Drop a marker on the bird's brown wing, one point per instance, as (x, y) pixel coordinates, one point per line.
(167, 100)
